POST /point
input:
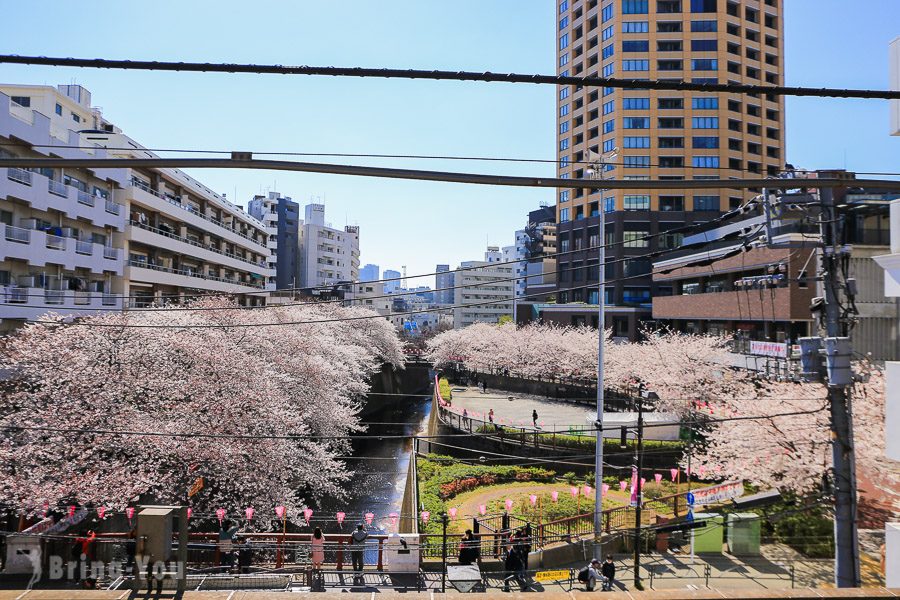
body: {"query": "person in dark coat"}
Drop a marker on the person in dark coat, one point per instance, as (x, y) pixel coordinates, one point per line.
(514, 567)
(608, 570)
(469, 551)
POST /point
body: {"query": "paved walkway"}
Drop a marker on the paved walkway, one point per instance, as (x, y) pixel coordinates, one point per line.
(511, 408)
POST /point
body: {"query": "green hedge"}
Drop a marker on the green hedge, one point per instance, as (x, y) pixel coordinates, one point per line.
(587, 442)
(444, 387)
(442, 477)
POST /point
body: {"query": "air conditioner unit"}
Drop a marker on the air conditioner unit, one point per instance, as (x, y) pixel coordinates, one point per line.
(27, 281)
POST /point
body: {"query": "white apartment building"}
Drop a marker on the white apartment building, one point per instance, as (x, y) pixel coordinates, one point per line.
(484, 291)
(518, 252)
(162, 235)
(62, 242)
(328, 256)
(265, 209)
(369, 294)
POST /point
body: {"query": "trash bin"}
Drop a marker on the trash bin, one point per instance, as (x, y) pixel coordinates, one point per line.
(743, 534)
(708, 540)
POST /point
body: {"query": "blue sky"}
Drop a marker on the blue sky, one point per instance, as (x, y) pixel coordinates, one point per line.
(416, 224)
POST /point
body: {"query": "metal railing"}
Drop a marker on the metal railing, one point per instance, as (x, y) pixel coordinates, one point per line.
(54, 296)
(198, 275)
(58, 188)
(109, 300)
(110, 253)
(179, 238)
(56, 242)
(84, 247)
(85, 198)
(19, 175)
(193, 211)
(17, 234)
(113, 207)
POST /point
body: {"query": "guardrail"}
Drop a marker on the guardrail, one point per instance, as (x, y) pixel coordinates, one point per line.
(147, 265)
(170, 235)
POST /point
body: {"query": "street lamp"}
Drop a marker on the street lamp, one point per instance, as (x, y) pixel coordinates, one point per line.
(595, 171)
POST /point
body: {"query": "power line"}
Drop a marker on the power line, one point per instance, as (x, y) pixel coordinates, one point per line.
(441, 176)
(628, 84)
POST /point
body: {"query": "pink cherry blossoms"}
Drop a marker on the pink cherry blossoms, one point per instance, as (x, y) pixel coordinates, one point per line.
(304, 380)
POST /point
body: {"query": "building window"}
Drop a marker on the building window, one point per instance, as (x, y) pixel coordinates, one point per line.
(706, 203)
(705, 46)
(608, 70)
(564, 41)
(670, 142)
(609, 126)
(671, 240)
(564, 93)
(634, 296)
(706, 142)
(609, 145)
(671, 103)
(564, 127)
(609, 107)
(564, 144)
(635, 7)
(669, 65)
(704, 64)
(706, 162)
(607, 51)
(563, 218)
(671, 162)
(563, 6)
(607, 33)
(636, 202)
(563, 23)
(609, 205)
(636, 46)
(635, 65)
(636, 162)
(705, 122)
(24, 101)
(635, 27)
(564, 59)
(636, 239)
(704, 26)
(703, 6)
(59, 109)
(564, 109)
(564, 162)
(607, 13)
(671, 203)
(636, 142)
(705, 103)
(636, 123)
(636, 103)
(670, 123)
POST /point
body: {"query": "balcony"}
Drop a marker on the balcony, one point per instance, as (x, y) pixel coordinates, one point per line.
(86, 248)
(18, 234)
(19, 175)
(113, 208)
(56, 242)
(176, 277)
(31, 303)
(41, 248)
(110, 253)
(85, 198)
(58, 188)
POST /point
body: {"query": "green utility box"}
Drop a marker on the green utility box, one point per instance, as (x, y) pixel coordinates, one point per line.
(708, 540)
(743, 534)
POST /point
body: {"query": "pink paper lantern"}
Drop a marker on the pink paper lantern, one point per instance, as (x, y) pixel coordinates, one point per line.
(533, 499)
(674, 473)
(190, 512)
(509, 504)
(643, 481)
(554, 495)
(46, 507)
(369, 518)
(605, 488)
(587, 490)
(425, 516)
(101, 511)
(340, 518)
(482, 509)
(657, 477)
(249, 512)
(71, 510)
(307, 513)
(394, 516)
(129, 512)
(623, 484)
(574, 491)
(220, 514)
(279, 512)
(452, 512)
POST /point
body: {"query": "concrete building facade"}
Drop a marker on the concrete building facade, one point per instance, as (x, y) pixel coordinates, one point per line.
(392, 281)
(485, 291)
(443, 284)
(369, 273)
(328, 255)
(94, 239)
(658, 134)
(281, 218)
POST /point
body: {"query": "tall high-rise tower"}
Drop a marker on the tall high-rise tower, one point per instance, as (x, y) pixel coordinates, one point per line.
(658, 134)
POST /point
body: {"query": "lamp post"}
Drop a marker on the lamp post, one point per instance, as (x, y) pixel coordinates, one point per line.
(595, 171)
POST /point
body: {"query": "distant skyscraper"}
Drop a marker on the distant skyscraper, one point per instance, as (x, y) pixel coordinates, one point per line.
(443, 280)
(391, 286)
(369, 273)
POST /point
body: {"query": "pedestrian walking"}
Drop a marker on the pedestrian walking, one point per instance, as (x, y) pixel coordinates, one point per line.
(465, 417)
(317, 549)
(484, 387)
(491, 416)
(534, 418)
(357, 548)
(590, 574)
(608, 570)
(514, 567)
(244, 554)
(469, 551)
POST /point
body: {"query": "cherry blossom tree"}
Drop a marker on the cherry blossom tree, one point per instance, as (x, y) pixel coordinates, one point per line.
(305, 378)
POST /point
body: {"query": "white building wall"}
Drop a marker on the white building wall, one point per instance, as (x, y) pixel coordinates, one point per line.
(328, 255)
(487, 287)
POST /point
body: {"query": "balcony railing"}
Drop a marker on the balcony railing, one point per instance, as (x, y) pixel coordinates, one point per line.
(19, 175)
(84, 247)
(18, 234)
(18, 295)
(85, 198)
(195, 212)
(110, 253)
(58, 188)
(198, 275)
(197, 244)
(113, 208)
(109, 300)
(54, 296)
(56, 242)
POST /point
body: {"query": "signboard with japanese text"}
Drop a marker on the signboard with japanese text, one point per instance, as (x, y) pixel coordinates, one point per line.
(718, 493)
(776, 349)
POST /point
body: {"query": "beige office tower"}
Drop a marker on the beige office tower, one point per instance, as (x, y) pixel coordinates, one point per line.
(657, 134)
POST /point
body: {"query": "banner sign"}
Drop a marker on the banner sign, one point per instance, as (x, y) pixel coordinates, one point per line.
(775, 349)
(198, 485)
(718, 493)
(545, 576)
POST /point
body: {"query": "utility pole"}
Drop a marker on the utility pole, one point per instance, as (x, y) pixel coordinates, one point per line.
(445, 520)
(638, 466)
(837, 353)
(595, 171)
